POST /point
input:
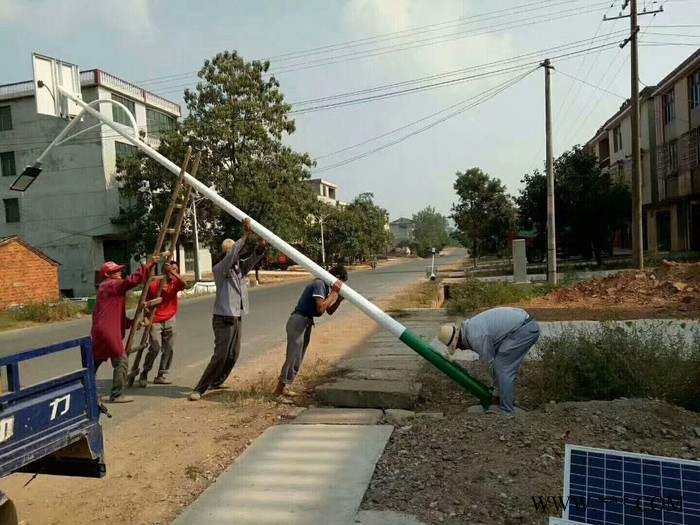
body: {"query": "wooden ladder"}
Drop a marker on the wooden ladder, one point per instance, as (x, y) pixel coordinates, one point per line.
(168, 237)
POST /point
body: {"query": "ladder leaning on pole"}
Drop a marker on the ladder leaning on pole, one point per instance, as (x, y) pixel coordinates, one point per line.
(166, 246)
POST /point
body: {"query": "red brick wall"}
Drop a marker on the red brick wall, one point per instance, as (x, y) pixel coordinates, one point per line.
(25, 277)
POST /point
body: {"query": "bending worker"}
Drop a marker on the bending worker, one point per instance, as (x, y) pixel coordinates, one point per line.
(316, 299)
(501, 337)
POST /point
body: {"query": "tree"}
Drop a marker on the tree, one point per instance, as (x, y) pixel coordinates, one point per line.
(590, 204)
(355, 232)
(430, 231)
(237, 120)
(485, 213)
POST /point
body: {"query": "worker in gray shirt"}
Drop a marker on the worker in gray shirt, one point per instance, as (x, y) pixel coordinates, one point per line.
(230, 304)
(501, 337)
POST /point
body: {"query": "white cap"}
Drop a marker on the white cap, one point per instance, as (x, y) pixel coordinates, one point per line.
(448, 335)
(227, 245)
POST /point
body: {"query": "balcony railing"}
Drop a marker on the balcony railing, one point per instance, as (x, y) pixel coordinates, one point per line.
(97, 77)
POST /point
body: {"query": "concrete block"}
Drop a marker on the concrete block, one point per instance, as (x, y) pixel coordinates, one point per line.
(339, 416)
(398, 416)
(384, 363)
(385, 517)
(362, 393)
(430, 415)
(381, 375)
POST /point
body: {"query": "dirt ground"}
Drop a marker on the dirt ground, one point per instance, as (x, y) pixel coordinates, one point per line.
(158, 462)
(485, 470)
(671, 291)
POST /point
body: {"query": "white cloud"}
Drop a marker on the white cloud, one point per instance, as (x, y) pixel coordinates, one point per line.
(366, 18)
(131, 18)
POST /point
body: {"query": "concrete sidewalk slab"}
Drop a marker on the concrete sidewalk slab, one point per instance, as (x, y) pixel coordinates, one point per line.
(339, 416)
(413, 363)
(294, 475)
(385, 517)
(381, 375)
(364, 393)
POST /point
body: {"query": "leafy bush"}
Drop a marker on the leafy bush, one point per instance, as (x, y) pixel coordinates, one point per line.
(43, 312)
(611, 361)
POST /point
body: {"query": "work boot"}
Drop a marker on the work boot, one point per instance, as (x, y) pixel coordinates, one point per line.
(143, 381)
(195, 396)
(121, 399)
(161, 380)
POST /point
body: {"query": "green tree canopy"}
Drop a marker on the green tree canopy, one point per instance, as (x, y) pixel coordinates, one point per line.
(237, 120)
(430, 231)
(485, 213)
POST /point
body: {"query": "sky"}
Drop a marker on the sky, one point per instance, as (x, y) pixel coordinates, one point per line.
(407, 145)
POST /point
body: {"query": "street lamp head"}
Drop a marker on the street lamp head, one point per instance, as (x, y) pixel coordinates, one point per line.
(27, 177)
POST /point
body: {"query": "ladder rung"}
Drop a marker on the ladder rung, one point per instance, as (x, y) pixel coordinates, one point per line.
(170, 230)
(153, 302)
(136, 348)
(178, 206)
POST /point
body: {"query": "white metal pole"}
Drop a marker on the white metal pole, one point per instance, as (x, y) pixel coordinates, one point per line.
(390, 324)
(369, 309)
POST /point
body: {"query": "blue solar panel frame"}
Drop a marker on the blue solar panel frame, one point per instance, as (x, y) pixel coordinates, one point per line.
(608, 487)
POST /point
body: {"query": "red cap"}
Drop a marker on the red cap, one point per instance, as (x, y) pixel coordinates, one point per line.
(109, 267)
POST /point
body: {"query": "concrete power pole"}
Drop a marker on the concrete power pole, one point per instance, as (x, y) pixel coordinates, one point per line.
(551, 223)
(637, 229)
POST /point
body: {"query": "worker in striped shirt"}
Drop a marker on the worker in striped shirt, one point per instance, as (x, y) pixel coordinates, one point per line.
(501, 337)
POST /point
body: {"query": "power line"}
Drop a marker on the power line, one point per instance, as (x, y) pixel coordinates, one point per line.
(404, 47)
(435, 85)
(386, 36)
(591, 85)
(493, 92)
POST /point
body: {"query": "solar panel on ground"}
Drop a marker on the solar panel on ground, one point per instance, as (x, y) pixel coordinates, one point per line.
(607, 487)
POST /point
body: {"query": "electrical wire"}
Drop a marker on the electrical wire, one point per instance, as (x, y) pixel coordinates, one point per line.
(485, 96)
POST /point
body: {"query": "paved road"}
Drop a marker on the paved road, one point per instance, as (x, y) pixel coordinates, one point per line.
(263, 328)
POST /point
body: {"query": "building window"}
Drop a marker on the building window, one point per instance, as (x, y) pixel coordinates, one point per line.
(11, 210)
(673, 157)
(694, 90)
(669, 106)
(118, 114)
(5, 118)
(158, 123)
(617, 139)
(123, 149)
(7, 164)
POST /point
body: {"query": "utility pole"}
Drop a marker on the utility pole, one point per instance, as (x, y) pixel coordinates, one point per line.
(637, 230)
(551, 223)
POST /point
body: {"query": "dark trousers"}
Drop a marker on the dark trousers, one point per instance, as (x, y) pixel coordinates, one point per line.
(227, 347)
(121, 368)
(298, 338)
(161, 340)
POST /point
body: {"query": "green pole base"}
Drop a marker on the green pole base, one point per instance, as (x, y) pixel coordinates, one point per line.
(458, 374)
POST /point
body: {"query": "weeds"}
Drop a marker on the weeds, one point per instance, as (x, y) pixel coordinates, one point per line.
(40, 313)
(471, 295)
(422, 295)
(612, 361)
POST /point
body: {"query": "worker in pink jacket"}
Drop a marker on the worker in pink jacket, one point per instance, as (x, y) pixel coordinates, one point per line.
(109, 322)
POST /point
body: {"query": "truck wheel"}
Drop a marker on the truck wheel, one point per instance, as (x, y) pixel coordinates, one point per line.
(535, 256)
(8, 513)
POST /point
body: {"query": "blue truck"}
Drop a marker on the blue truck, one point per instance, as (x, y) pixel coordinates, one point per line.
(51, 427)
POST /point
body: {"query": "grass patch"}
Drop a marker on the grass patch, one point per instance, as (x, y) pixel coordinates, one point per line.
(472, 295)
(39, 313)
(612, 361)
(421, 295)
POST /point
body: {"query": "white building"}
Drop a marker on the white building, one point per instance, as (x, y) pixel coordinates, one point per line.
(326, 192)
(67, 212)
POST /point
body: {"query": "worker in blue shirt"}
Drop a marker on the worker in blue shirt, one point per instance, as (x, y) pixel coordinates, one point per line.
(501, 337)
(316, 299)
